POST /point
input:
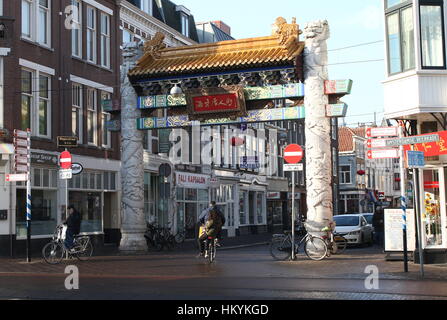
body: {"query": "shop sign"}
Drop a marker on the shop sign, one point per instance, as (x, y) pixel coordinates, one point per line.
(336, 110)
(192, 181)
(338, 86)
(43, 158)
(431, 149)
(273, 195)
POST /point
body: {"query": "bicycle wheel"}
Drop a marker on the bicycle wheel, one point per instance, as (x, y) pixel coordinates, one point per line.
(281, 248)
(53, 252)
(87, 252)
(315, 248)
(211, 251)
(180, 237)
(342, 244)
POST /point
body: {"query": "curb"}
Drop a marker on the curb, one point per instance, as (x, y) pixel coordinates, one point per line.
(245, 246)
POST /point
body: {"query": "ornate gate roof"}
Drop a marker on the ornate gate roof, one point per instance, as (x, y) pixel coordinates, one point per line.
(280, 49)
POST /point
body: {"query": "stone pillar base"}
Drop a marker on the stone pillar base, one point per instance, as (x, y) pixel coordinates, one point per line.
(314, 228)
(133, 243)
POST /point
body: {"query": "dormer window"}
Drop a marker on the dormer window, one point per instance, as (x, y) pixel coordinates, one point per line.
(146, 6)
(184, 19)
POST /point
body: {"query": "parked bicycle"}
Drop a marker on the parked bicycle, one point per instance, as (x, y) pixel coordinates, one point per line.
(159, 238)
(336, 243)
(54, 251)
(314, 247)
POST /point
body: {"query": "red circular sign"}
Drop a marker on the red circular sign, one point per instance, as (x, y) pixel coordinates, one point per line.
(65, 160)
(293, 154)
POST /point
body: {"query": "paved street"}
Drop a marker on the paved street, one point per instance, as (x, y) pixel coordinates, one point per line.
(244, 273)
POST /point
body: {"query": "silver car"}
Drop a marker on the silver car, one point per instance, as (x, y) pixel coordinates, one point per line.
(355, 228)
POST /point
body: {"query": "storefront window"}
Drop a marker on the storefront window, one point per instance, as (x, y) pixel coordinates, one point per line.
(43, 211)
(191, 203)
(191, 194)
(89, 204)
(242, 208)
(260, 207)
(432, 209)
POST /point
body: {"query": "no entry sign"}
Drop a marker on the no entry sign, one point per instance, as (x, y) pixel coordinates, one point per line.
(293, 154)
(65, 160)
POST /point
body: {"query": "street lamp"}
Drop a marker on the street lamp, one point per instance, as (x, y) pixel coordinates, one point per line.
(176, 91)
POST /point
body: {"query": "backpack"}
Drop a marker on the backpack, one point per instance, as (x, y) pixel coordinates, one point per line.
(214, 223)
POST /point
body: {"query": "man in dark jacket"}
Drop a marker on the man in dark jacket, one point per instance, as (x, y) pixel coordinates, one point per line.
(204, 217)
(73, 223)
(379, 226)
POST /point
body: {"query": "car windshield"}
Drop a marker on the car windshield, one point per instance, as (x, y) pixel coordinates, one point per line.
(349, 221)
(369, 218)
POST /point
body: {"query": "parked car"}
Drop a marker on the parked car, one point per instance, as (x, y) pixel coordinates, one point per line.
(355, 228)
(369, 218)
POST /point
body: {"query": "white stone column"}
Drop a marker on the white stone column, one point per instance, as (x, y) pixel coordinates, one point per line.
(317, 128)
(133, 222)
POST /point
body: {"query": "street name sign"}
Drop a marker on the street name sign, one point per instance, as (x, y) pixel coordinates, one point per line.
(67, 142)
(382, 132)
(16, 177)
(383, 154)
(412, 140)
(293, 167)
(415, 159)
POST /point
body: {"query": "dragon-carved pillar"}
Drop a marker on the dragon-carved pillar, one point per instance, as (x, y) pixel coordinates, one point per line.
(318, 127)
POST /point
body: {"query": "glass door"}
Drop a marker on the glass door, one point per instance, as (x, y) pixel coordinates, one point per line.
(434, 208)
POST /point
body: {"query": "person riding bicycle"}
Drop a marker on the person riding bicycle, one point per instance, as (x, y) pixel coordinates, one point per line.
(73, 223)
(212, 219)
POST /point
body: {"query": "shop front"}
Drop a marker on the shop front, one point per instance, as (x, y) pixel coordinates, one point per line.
(276, 207)
(192, 197)
(252, 205)
(434, 212)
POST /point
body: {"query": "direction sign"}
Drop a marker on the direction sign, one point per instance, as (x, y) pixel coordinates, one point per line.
(76, 168)
(21, 143)
(21, 168)
(382, 132)
(65, 160)
(376, 143)
(415, 159)
(293, 154)
(383, 154)
(16, 177)
(412, 140)
(21, 159)
(293, 167)
(21, 151)
(21, 134)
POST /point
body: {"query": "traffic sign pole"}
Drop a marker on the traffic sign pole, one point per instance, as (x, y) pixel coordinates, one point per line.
(403, 199)
(28, 199)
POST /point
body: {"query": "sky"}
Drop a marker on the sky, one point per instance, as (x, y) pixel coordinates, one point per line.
(352, 22)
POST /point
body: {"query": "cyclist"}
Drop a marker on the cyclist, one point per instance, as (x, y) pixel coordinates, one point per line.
(213, 220)
(73, 223)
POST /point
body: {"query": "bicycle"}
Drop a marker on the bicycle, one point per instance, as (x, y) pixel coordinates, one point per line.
(210, 249)
(336, 243)
(314, 247)
(54, 251)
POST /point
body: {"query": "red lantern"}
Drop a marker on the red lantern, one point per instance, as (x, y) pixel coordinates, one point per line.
(361, 172)
(236, 141)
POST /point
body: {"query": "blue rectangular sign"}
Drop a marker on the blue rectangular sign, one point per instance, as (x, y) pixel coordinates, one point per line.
(416, 159)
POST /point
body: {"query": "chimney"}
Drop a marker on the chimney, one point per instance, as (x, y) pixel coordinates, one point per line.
(222, 26)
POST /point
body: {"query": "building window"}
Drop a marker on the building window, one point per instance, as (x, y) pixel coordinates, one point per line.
(36, 21)
(1, 7)
(392, 3)
(36, 103)
(44, 105)
(127, 36)
(27, 98)
(76, 112)
(91, 116)
(432, 36)
(76, 31)
(345, 174)
(105, 40)
(185, 24)
(146, 6)
(105, 117)
(91, 34)
(400, 38)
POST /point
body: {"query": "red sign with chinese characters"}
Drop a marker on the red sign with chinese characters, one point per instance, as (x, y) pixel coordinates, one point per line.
(431, 149)
(216, 103)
